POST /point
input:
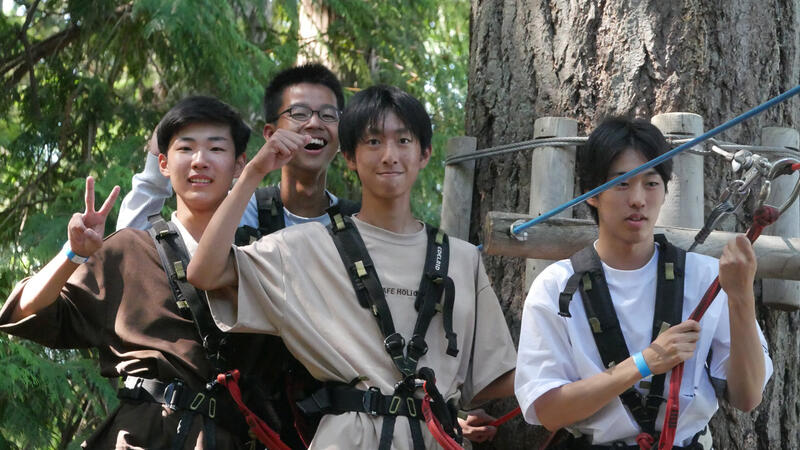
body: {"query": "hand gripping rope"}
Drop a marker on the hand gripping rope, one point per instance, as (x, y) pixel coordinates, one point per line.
(793, 166)
(764, 216)
(258, 427)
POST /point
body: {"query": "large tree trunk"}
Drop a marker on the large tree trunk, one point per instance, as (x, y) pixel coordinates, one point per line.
(588, 59)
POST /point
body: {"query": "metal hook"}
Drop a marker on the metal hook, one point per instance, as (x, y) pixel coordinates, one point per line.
(781, 167)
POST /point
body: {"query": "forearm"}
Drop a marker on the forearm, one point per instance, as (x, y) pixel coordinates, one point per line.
(501, 387)
(573, 402)
(43, 289)
(746, 369)
(211, 268)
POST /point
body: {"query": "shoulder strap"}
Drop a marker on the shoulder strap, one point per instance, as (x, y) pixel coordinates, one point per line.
(270, 209)
(348, 207)
(668, 309)
(172, 251)
(582, 262)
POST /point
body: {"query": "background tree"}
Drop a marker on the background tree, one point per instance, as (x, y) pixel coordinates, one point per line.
(84, 83)
(593, 58)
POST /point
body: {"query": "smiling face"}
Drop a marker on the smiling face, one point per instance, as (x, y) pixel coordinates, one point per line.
(318, 154)
(201, 164)
(388, 159)
(627, 213)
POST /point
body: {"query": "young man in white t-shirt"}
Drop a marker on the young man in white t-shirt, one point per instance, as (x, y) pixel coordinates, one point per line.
(562, 379)
(294, 283)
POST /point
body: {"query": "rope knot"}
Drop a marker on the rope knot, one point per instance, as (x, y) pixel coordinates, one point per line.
(645, 441)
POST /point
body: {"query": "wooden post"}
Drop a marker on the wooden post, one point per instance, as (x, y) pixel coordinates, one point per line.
(554, 239)
(457, 189)
(782, 294)
(683, 206)
(552, 177)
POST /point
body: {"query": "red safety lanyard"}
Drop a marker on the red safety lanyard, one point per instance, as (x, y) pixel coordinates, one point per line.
(258, 427)
(764, 216)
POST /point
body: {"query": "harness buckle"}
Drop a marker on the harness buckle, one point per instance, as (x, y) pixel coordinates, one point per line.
(418, 344)
(370, 400)
(394, 342)
(172, 394)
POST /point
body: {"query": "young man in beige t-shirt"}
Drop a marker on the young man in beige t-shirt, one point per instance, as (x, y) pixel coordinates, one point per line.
(293, 283)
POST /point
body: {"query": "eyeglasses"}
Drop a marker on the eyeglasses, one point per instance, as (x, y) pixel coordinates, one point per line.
(301, 113)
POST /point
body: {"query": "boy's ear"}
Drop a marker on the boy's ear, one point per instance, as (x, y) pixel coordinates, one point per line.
(241, 160)
(426, 157)
(269, 130)
(351, 163)
(592, 201)
(162, 164)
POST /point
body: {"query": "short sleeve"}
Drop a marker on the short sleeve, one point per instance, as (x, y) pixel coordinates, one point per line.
(261, 293)
(543, 361)
(493, 350)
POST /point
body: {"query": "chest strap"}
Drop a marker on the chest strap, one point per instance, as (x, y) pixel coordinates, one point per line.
(589, 279)
(436, 293)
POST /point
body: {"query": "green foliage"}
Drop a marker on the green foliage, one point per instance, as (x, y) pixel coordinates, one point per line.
(84, 82)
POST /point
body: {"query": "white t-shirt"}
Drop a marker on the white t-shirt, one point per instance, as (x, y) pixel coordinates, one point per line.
(554, 350)
(293, 283)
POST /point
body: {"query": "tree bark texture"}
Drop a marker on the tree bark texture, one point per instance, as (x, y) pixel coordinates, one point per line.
(589, 59)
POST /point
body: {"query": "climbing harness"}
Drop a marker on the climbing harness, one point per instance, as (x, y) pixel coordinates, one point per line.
(589, 279)
(192, 306)
(436, 294)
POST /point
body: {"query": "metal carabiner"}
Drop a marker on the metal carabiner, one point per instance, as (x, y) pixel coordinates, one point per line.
(781, 167)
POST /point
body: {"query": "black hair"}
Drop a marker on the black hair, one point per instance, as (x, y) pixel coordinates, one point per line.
(368, 108)
(313, 73)
(610, 139)
(202, 109)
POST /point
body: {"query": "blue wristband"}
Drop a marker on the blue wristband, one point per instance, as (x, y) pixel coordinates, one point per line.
(641, 364)
(72, 256)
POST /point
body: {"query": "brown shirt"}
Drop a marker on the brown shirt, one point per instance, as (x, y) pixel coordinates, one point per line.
(120, 303)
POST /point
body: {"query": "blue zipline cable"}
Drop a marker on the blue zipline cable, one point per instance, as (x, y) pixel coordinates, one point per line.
(656, 161)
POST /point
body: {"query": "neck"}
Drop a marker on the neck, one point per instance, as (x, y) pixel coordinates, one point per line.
(195, 222)
(303, 193)
(624, 255)
(394, 216)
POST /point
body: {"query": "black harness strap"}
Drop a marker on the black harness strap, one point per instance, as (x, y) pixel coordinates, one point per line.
(434, 285)
(589, 279)
(271, 217)
(172, 251)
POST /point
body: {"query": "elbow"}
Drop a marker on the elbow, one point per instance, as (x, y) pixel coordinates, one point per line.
(747, 404)
(198, 279)
(547, 417)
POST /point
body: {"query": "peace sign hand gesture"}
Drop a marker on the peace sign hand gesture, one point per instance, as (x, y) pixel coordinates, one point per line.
(85, 231)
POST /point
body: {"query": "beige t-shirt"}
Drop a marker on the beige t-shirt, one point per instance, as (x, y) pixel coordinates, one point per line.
(293, 283)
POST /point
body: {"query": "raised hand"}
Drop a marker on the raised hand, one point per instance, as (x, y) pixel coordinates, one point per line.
(278, 150)
(672, 347)
(86, 230)
(737, 269)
